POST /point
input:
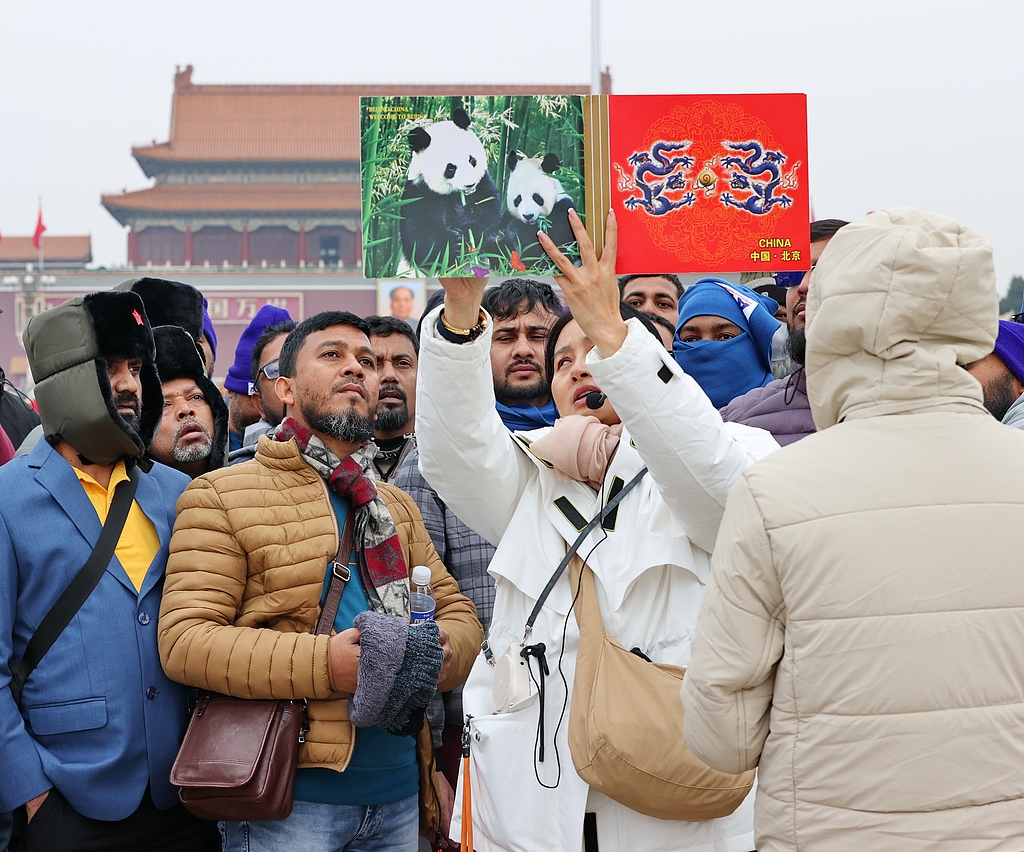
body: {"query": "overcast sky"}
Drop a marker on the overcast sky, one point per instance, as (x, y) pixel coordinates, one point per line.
(910, 102)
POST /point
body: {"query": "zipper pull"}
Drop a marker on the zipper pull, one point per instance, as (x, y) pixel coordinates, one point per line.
(466, 737)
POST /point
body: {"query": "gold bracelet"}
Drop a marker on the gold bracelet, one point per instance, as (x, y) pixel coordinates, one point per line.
(473, 332)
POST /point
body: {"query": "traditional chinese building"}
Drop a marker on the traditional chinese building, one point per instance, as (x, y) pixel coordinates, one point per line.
(252, 178)
(56, 252)
(259, 175)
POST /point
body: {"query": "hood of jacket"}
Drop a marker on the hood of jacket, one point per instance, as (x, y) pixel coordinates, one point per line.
(68, 348)
(897, 303)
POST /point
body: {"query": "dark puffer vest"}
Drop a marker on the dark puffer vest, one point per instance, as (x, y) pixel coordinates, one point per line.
(780, 407)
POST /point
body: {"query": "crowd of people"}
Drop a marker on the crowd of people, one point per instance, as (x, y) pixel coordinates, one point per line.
(845, 607)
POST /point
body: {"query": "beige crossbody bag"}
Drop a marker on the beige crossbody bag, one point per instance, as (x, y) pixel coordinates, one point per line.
(626, 727)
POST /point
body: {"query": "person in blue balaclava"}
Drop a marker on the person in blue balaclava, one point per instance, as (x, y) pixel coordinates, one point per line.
(724, 338)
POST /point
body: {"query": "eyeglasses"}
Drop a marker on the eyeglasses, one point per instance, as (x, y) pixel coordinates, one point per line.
(790, 279)
(272, 370)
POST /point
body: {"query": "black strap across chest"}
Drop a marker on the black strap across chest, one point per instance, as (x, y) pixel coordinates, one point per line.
(608, 510)
(79, 589)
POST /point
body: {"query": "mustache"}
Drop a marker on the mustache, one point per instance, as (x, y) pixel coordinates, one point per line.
(127, 400)
(524, 362)
(337, 386)
(190, 421)
(393, 387)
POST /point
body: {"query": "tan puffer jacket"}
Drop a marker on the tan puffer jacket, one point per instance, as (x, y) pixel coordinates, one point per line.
(862, 637)
(249, 550)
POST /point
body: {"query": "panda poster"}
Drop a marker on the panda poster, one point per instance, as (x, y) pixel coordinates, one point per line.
(460, 186)
(702, 183)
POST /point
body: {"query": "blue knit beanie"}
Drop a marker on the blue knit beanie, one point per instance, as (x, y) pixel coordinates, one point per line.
(239, 378)
(1010, 347)
(208, 329)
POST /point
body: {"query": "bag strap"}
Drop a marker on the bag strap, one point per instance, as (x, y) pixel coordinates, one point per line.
(340, 575)
(79, 589)
(587, 609)
(597, 519)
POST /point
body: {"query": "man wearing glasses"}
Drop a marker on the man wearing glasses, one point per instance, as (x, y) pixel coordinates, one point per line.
(265, 354)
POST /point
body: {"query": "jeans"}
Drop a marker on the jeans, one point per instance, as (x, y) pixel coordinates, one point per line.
(316, 827)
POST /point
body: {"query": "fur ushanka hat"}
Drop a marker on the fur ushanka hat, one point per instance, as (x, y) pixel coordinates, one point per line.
(169, 303)
(178, 357)
(68, 348)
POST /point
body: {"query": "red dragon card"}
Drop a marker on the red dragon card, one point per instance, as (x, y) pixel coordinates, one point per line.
(703, 183)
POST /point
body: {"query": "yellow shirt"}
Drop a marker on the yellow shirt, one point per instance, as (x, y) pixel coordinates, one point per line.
(139, 543)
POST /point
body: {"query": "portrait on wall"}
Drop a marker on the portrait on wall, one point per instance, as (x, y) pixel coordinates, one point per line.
(402, 299)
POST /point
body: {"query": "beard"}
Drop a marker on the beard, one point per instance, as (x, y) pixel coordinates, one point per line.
(796, 345)
(124, 400)
(392, 419)
(192, 452)
(999, 396)
(348, 426)
(520, 392)
(391, 416)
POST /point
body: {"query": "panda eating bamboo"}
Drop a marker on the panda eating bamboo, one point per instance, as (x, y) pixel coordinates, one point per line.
(450, 203)
(534, 198)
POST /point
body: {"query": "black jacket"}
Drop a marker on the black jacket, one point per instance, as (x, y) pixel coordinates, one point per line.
(17, 416)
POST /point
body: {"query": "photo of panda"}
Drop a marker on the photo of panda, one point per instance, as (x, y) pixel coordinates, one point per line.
(450, 200)
(534, 200)
(458, 186)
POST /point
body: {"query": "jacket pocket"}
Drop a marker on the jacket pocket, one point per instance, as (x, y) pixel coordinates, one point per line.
(511, 810)
(85, 714)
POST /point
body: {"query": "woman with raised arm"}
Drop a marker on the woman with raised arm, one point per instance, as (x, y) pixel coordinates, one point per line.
(623, 404)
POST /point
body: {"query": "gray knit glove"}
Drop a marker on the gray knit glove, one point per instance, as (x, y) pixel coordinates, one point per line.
(398, 669)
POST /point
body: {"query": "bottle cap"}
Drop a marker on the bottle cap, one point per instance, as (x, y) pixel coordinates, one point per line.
(421, 575)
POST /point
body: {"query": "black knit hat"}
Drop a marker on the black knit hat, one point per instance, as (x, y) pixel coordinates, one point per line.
(68, 348)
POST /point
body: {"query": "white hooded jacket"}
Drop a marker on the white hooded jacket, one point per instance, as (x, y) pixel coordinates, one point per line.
(861, 640)
(650, 569)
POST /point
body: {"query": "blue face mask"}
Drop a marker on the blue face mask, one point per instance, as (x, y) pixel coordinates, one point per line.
(725, 369)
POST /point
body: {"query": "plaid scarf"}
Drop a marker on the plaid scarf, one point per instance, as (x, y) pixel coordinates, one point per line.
(382, 567)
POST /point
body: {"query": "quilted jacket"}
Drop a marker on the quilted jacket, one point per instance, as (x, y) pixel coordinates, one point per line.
(780, 407)
(249, 551)
(861, 640)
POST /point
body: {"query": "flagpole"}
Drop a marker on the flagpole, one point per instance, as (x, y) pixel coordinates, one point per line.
(40, 236)
(595, 47)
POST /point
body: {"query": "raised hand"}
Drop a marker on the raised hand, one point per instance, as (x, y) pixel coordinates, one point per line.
(462, 298)
(591, 289)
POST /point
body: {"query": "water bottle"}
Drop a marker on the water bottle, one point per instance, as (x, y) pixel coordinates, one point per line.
(421, 603)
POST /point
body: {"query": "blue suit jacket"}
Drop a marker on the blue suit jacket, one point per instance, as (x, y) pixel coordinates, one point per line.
(98, 720)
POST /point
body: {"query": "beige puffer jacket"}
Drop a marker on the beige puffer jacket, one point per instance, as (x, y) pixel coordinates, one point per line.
(862, 637)
(249, 550)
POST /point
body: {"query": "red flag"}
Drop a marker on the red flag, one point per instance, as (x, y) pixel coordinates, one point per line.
(40, 228)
